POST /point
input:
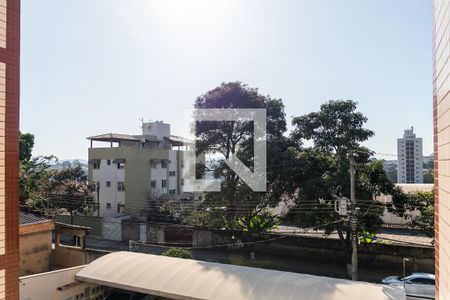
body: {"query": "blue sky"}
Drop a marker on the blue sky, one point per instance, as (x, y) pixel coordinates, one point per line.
(97, 66)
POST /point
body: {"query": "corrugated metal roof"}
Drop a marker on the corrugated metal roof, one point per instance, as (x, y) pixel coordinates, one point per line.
(29, 219)
(113, 137)
(177, 278)
(180, 140)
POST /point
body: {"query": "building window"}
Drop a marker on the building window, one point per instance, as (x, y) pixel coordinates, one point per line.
(108, 205)
(108, 184)
(121, 186)
(182, 164)
(108, 162)
(96, 165)
(171, 173)
(120, 166)
(153, 165)
(182, 181)
(163, 164)
(153, 184)
(172, 192)
(163, 183)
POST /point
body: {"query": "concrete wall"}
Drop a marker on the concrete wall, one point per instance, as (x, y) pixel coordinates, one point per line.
(95, 223)
(155, 233)
(35, 251)
(421, 258)
(44, 286)
(130, 230)
(67, 256)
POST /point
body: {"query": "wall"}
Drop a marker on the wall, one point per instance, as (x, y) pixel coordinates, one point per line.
(68, 256)
(137, 172)
(35, 252)
(44, 286)
(130, 230)
(109, 194)
(421, 258)
(441, 119)
(95, 223)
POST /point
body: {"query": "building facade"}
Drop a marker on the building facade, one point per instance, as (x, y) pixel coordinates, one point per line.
(35, 243)
(135, 171)
(441, 117)
(9, 148)
(410, 158)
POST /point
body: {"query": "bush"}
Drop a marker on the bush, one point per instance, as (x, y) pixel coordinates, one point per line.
(178, 252)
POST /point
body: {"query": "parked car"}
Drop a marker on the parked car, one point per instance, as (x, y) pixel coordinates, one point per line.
(416, 285)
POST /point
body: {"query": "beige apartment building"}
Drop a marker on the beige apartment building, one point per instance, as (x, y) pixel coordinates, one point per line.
(131, 171)
(441, 114)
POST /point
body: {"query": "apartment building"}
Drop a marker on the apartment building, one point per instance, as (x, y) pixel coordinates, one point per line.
(410, 158)
(131, 171)
(9, 148)
(441, 118)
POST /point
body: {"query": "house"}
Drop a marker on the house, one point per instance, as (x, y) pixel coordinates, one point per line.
(35, 239)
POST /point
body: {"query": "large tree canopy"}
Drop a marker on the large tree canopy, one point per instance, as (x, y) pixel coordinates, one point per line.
(236, 138)
(337, 127)
(46, 190)
(320, 173)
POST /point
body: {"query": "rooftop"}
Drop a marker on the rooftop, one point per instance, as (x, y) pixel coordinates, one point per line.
(177, 278)
(26, 218)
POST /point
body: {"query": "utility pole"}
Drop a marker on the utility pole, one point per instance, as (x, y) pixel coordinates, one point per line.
(353, 220)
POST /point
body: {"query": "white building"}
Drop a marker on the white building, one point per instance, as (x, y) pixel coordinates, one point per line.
(410, 158)
(133, 170)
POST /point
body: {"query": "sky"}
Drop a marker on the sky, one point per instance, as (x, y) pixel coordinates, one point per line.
(97, 66)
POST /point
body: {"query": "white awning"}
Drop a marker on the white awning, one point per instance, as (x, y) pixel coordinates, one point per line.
(177, 278)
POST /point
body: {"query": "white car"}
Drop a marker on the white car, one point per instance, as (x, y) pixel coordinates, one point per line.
(419, 285)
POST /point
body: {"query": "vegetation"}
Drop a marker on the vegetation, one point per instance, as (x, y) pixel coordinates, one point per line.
(47, 191)
(178, 252)
(235, 138)
(322, 171)
(417, 207)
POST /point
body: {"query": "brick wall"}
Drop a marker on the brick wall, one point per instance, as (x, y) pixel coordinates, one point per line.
(441, 119)
(9, 148)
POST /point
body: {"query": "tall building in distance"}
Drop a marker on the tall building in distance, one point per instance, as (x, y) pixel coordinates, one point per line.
(441, 119)
(410, 158)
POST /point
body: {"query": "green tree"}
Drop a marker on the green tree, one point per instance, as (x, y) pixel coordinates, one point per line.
(34, 177)
(230, 138)
(417, 207)
(48, 191)
(26, 144)
(322, 171)
(428, 178)
(336, 128)
(62, 190)
(178, 252)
